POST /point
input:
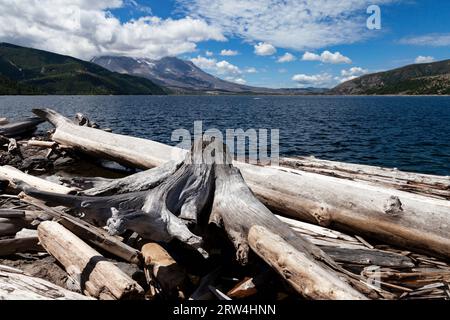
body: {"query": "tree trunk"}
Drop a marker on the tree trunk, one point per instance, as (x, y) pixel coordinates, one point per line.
(392, 216)
(425, 184)
(98, 277)
(20, 128)
(18, 286)
(295, 267)
(13, 175)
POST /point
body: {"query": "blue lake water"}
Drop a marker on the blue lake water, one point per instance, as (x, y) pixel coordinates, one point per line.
(409, 133)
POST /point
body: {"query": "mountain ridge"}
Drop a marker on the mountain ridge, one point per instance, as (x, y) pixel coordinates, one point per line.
(183, 76)
(32, 71)
(415, 79)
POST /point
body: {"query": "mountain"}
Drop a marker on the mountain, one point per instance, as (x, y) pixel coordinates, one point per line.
(30, 71)
(416, 79)
(182, 76)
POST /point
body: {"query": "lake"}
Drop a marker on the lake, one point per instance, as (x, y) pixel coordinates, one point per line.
(409, 133)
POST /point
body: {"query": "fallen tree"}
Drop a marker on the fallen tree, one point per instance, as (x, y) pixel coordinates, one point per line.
(395, 217)
(20, 128)
(14, 285)
(97, 276)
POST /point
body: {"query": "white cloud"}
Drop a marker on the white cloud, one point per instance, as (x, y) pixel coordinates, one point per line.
(251, 70)
(287, 57)
(431, 40)
(264, 49)
(236, 80)
(424, 59)
(316, 80)
(209, 53)
(327, 57)
(219, 67)
(293, 24)
(84, 28)
(350, 74)
(229, 53)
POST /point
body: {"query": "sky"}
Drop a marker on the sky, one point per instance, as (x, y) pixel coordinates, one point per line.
(270, 43)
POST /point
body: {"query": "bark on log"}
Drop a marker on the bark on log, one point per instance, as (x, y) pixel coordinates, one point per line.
(395, 217)
(98, 277)
(20, 128)
(295, 267)
(13, 175)
(9, 227)
(17, 286)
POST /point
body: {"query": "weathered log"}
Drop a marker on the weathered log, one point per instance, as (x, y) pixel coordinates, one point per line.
(392, 216)
(13, 175)
(108, 145)
(93, 235)
(169, 275)
(17, 286)
(20, 128)
(237, 209)
(42, 144)
(429, 185)
(3, 121)
(12, 246)
(295, 267)
(98, 277)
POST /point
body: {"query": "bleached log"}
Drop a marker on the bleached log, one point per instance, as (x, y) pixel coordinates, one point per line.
(108, 145)
(17, 286)
(395, 217)
(295, 267)
(425, 184)
(98, 277)
(20, 128)
(3, 121)
(13, 175)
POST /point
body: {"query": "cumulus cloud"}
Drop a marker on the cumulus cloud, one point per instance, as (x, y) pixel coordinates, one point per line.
(316, 80)
(424, 59)
(431, 40)
(85, 28)
(294, 24)
(218, 67)
(250, 70)
(236, 80)
(327, 57)
(352, 73)
(287, 57)
(264, 49)
(229, 52)
(209, 53)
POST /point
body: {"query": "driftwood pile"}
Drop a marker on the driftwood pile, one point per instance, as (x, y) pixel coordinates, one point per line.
(196, 225)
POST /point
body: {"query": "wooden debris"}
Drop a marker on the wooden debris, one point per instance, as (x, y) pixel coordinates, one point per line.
(20, 128)
(295, 267)
(163, 269)
(12, 246)
(396, 217)
(17, 286)
(14, 175)
(98, 277)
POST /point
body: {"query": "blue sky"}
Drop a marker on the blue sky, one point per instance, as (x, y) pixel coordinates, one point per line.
(323, 42)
